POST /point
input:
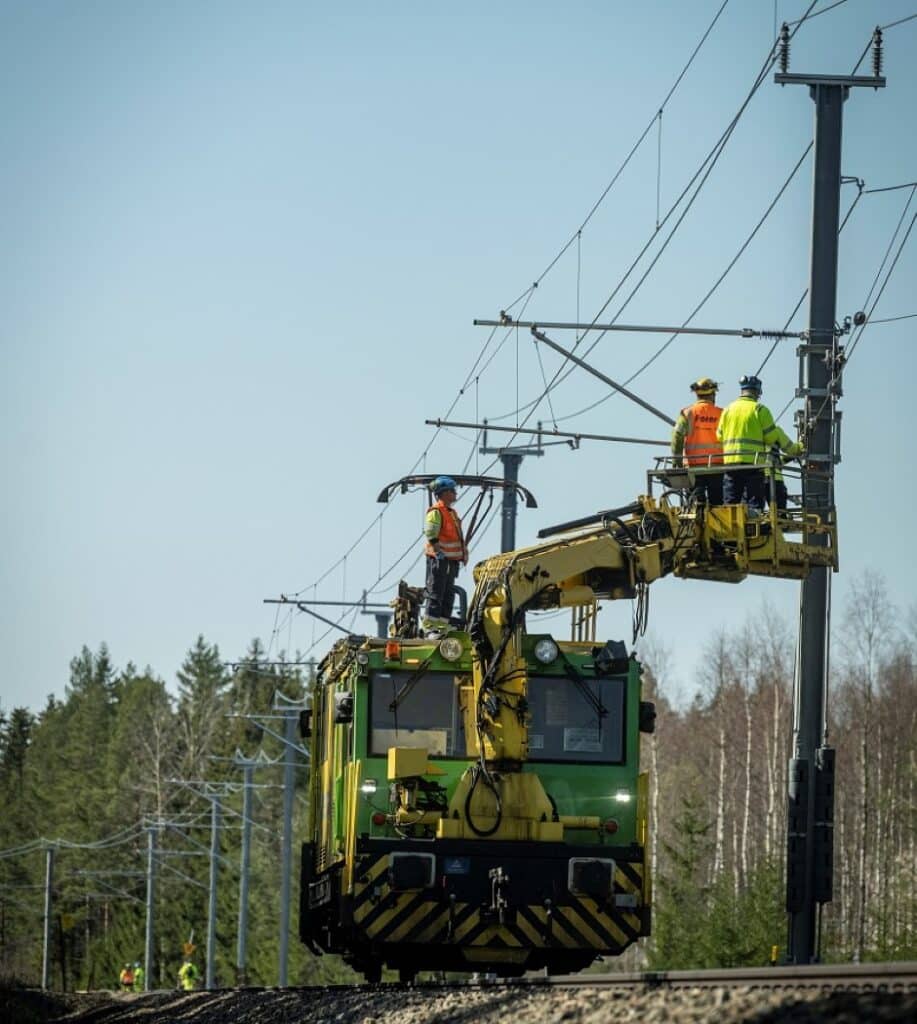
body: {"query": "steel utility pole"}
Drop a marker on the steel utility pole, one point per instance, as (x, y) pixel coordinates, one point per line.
(247, 765)
(210, 975)
(810, 807)
(46, 944)
(291, 716)
(511, 457)
(150, 905)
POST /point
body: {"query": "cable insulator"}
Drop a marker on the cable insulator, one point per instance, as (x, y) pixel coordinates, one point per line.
(877, 52)
(784, 47)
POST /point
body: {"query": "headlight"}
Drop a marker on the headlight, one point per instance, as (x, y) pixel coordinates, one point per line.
(546, 651)
(450, 648)
(368, 786)
(622, 798)
(362, 658)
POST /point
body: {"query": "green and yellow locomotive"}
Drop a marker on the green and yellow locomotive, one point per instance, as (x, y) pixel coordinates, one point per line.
(476, 801)
(420, 857)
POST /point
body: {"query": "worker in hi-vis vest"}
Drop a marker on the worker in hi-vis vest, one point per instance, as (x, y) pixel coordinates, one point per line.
(694, 440)
(747, 431)
(187, 976)
(446, 551)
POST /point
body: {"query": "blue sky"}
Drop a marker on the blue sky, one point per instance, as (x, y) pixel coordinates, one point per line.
(246, 243)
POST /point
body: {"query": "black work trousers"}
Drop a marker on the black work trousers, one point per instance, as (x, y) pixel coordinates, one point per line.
(745, 484)
(440, 587)
(709, 488)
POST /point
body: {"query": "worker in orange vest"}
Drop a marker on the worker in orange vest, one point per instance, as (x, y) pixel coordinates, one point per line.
(446, 550)
(694, 440)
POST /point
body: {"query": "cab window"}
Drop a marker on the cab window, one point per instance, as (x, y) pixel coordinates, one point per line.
(419, 712)
(576, 721)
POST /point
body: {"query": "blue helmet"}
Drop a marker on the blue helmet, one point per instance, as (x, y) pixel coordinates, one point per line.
(443, 483)
(750, 383)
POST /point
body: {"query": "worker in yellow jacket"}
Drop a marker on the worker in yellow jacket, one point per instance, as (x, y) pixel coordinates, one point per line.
(747, 431)
(187, 976)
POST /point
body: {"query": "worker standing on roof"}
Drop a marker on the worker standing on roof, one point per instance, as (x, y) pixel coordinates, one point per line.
(747, 431)
(694, 440)
(445, 550)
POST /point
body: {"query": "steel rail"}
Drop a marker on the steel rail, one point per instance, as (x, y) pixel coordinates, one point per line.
(878, 976)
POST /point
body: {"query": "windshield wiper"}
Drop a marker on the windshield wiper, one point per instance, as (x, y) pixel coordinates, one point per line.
(411, 682)
(592, 699)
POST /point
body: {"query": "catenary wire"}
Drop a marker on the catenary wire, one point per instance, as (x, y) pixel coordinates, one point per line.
(709, 293)
(528, 291)
(802, 297)
(894, 262)
(527, 294)
(815, 14)
(711, 159)
(888, 250)
(892, 319)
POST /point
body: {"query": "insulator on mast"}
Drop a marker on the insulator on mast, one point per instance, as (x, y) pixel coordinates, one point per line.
(877, 52)
(784, 47)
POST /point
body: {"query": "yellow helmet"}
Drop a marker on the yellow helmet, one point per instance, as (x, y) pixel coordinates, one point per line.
(704, 386)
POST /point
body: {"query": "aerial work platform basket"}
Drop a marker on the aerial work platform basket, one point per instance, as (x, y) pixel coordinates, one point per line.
(729, 542)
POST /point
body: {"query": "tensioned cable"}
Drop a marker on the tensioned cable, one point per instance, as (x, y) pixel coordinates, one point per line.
(888, 250)
(671, 339)
(714, 156)
(375, 589)
(712, 289)
(809, 13)
(711, 159)
(907, 235)
(547, 269)
(18, 851)
(891, 188)
(859, 334)
(900, 21)
(802, 297)
(633, 150)
(815, 14)
(862, 191)
(892, 319)
(125, 835)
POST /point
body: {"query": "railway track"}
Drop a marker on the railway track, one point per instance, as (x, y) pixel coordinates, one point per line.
(874, 993)
(884, 977)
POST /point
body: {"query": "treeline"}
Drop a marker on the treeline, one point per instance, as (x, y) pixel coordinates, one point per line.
(719, 779)
(118, 754)
(120, 751)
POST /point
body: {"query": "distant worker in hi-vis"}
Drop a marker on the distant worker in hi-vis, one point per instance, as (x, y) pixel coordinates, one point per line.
(187, 976)
(694, 439)
(445, 550)
(747, 431)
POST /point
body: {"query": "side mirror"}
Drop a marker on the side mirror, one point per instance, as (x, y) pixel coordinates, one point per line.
(305, 723)
(647, 716)
(305, 718)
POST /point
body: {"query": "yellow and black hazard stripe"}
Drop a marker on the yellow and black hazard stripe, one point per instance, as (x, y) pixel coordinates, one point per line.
(385, 916)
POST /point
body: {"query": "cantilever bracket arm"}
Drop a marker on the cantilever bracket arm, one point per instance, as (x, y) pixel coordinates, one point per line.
(486, 482)
(541, 336)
